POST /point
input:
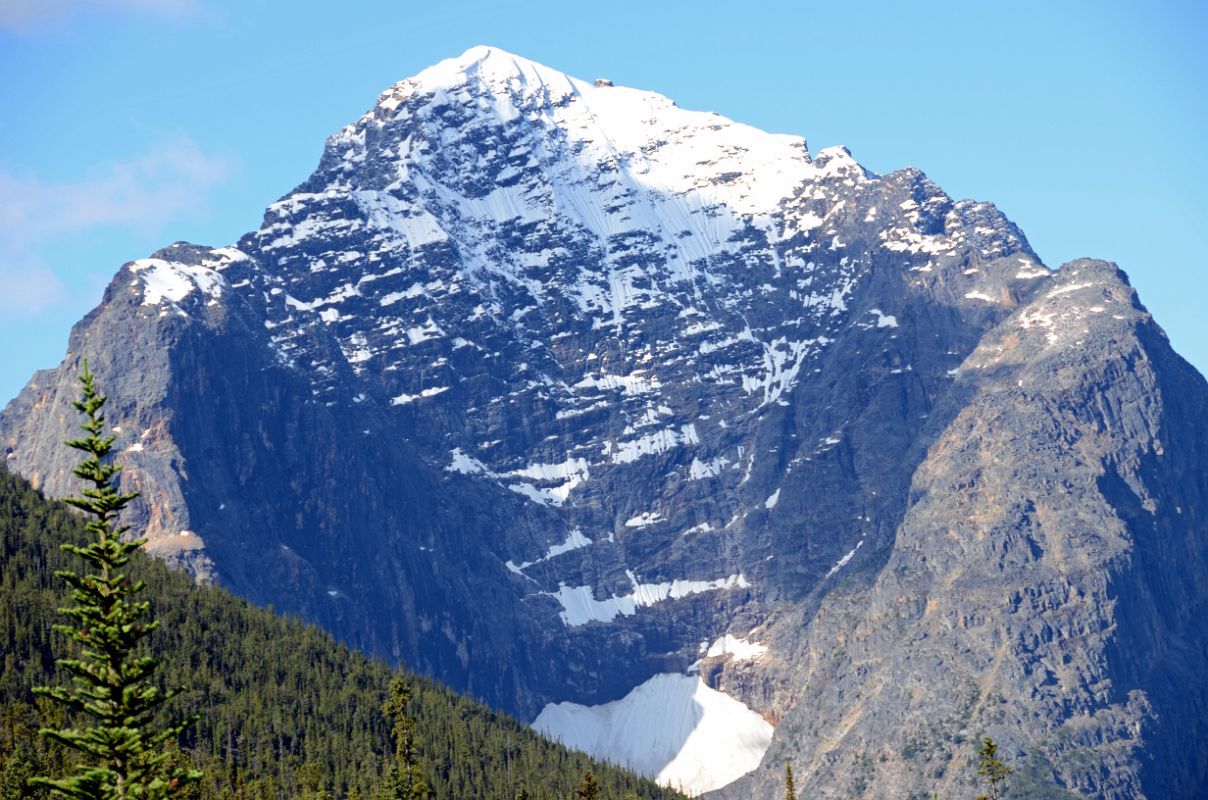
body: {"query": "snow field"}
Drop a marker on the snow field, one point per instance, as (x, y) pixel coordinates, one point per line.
(673, 727)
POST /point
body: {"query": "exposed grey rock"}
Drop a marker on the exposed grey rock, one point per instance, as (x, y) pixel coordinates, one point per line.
(1045, 586)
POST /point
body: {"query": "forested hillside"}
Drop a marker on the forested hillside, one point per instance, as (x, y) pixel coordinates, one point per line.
(286, 711)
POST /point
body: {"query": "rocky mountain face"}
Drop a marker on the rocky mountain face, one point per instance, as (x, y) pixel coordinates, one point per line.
(585, 403)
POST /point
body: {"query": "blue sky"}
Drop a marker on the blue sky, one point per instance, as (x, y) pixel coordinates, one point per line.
(128, 124)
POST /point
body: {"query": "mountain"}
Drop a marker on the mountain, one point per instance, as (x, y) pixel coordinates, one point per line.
(587, 404)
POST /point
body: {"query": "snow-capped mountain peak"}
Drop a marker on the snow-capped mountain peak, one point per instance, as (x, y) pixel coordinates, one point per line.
(620, 250)
(501, 71)
(655, 145)
(541, 385)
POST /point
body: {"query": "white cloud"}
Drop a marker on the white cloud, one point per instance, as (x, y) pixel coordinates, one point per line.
(170, 182)
(27, 16)
(167, 183)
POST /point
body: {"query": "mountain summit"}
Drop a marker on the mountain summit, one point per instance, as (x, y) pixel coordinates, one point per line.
(698, 451)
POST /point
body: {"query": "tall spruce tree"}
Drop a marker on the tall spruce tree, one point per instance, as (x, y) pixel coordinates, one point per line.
(790, 788)
(124, 747)
(405, 779)
(994, 771)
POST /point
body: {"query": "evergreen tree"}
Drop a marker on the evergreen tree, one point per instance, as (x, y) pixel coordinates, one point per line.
(790, 789)
(13, 780)
(994, 771)
(588, 788)
(112, 679)
(405, 780)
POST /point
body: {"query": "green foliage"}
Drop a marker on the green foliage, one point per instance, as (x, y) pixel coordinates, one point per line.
(588, 789)
(994, 771)
(405, 780)
(112, 680)
(286, 711)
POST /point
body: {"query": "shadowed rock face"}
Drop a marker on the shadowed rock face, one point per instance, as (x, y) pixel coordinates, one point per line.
(536, 386)
(1046, 583)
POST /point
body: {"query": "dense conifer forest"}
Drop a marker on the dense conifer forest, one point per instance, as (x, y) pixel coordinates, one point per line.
(286, 712)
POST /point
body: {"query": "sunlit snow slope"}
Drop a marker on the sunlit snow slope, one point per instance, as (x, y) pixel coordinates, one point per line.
(673, 727)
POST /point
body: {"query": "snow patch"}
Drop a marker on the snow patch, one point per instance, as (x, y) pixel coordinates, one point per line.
(632, 384)
(574, 541)
(645, 519)
(565, 476)
(736, 649)
(422, 333)
(405, 398)
(884, 320)
(580, 606)
(673, 728)
(465, 464)
(650, 444)
(171, 281)
(698, 470)
(1073, 287)
(841, 563)
(904, 240)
